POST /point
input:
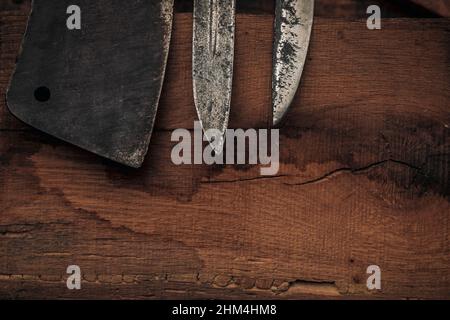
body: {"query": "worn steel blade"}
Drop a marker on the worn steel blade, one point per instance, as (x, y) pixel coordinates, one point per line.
(293, 25)
(97, 87)
(213, 57)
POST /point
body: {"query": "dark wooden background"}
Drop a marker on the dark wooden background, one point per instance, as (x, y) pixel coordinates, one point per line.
(364, 179)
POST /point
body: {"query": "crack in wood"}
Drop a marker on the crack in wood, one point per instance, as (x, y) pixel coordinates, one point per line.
(352, 171)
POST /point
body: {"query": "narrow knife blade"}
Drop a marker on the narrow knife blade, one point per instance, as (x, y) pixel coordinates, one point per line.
(98, 87)
(213, 57)
(293, 25)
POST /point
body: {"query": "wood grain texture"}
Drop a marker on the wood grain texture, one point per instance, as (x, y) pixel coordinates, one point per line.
(441, 7)
(364, 179)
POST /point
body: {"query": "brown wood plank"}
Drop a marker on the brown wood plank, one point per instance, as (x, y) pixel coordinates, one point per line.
(376, 62)
(253, 49)
(440, 7)
(364, 179)
(167, 231)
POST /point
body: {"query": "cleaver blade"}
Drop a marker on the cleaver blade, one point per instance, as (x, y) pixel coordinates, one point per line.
(97, 87)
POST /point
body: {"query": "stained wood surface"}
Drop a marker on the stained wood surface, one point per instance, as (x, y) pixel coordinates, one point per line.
(364, 179)
(441, 7)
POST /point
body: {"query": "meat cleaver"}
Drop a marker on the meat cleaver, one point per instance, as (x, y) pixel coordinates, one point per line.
(96, 86)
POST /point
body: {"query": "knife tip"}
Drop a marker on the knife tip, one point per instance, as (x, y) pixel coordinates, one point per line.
(216, 140)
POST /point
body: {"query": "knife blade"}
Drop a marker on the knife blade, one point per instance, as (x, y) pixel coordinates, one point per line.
(293, 25)
(97, 87)
(213, 57)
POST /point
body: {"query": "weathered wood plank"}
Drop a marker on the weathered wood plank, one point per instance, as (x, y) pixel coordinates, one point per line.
(376, 62)
(440, 7)
(169, 231)
(364, 179)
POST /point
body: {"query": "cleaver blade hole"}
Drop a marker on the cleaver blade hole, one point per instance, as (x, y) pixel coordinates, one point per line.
(42, 94)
